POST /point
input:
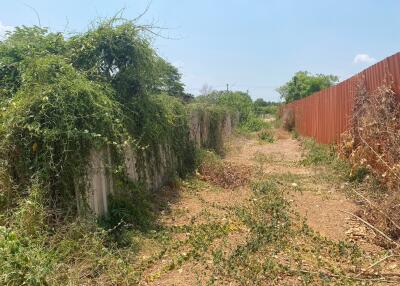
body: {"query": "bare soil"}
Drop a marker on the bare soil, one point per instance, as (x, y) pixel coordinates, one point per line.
(208, 227)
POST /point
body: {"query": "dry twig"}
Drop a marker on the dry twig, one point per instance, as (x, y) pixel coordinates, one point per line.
(373, 228)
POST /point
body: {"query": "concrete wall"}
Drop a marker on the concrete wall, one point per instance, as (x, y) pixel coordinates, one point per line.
(154, 166)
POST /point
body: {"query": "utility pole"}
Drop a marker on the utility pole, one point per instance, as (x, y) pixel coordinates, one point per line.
(227, 87)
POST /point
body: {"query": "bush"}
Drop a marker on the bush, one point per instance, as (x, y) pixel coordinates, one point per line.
(267, 136)
(55, 119)
(324, 155)
(65, 97)
(253, 124)
(235, 101)
(373, 140)
(22, 262)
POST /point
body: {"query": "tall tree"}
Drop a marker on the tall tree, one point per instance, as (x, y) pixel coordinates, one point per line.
(304, 84)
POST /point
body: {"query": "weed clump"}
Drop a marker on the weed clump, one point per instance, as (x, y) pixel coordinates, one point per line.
(266, 136)
(223, 174)
(253, 124)
(325, 155)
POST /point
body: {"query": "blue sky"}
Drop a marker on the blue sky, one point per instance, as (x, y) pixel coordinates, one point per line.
(251, 45)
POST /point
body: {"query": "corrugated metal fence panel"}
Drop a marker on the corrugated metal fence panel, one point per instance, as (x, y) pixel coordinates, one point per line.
(326, 114)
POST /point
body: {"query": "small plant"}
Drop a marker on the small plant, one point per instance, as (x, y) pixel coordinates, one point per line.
(130, 204)
(326, 155)
(22, 262)
(266, 136)
(295, 134)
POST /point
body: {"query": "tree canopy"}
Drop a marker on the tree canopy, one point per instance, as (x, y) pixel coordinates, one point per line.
(235, 100)
(304, 84)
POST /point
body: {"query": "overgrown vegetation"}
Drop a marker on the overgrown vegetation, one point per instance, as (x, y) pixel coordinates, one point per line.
(240, 102)
(262, 107)
(63, 97)
(60, 99)
(328, 156)
(372, 145)
(377, 204)
(266, 135)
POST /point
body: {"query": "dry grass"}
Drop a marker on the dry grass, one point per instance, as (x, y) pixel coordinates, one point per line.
(373, 145)
(225, 174)
(373, 141)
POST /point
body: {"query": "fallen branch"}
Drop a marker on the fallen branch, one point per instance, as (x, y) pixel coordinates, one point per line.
(355, 278)
(379, 156)
(373, 228)
(376, 263)
(378, 209)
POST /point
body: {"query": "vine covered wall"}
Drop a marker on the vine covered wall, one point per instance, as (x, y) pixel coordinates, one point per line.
(155, 166)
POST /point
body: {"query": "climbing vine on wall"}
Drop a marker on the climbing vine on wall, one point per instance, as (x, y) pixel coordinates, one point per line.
(63, 97)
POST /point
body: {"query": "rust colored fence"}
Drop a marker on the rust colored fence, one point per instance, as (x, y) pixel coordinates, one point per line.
(326, 114)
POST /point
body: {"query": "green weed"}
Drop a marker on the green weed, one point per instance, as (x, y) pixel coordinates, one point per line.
(253, 124)
(266, 136)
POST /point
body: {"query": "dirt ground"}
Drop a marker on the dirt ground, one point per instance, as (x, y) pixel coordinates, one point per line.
(207, 229)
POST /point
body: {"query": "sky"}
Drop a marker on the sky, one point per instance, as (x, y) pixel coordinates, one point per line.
(253, 45)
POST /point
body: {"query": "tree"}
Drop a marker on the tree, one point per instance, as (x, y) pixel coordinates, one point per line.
(304, 84)
(236, 100)
(169, 80)
(264, 107)
(259, 102)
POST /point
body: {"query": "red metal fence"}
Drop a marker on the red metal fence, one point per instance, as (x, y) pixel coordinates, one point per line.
(326, 114)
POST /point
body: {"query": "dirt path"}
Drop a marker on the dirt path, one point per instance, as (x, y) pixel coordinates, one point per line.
(285, 226)
(320, 203)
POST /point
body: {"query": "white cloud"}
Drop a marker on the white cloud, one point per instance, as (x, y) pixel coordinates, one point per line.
(363, 58)
(4, 29)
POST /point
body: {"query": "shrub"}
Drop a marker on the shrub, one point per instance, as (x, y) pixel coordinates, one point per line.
(373, 141)
(253, 124)
(22, 261)
(267, 136)
(235, 101)
(324, 155)
(67, 96)
(52, 123)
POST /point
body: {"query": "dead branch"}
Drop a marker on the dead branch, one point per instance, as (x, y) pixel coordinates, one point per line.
(377, 208)
(372, 227)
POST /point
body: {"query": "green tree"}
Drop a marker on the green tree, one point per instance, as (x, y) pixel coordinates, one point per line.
(264, 107)
(235, 100)
(259, 102)
(19, 48)
(304, 84)
(169, 80)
